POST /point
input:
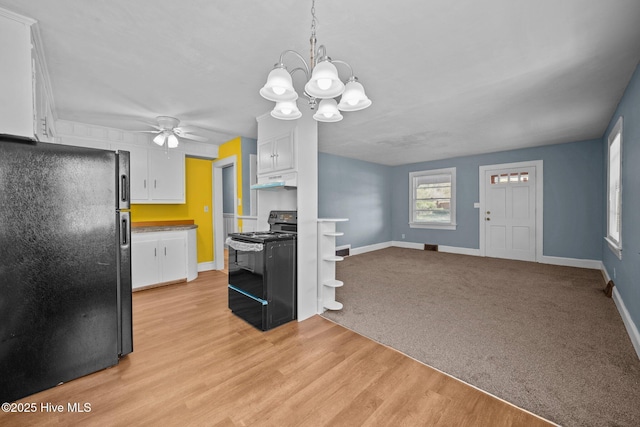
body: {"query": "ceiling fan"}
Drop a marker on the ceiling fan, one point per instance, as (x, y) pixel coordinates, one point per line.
(168, 132)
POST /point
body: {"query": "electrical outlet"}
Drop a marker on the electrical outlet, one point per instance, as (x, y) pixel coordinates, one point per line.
(403, 236)
(206, 208)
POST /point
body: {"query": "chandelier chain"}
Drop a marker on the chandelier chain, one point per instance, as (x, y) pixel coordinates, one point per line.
(313, 18)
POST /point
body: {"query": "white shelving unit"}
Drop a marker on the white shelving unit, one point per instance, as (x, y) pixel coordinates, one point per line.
(327, 259)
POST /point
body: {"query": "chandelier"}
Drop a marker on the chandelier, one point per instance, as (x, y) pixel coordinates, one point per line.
(323, 84)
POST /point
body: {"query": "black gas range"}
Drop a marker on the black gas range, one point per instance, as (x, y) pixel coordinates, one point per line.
(262, 272)
(282, 225)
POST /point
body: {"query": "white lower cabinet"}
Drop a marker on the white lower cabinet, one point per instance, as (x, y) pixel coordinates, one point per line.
(158, 257)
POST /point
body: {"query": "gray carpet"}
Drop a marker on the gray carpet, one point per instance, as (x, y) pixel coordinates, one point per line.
(542, 337)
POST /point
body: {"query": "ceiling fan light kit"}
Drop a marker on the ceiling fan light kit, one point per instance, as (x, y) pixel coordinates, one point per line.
(323, 83)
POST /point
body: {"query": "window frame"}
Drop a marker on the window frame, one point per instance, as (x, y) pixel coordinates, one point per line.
(614, 244)
(452, 224)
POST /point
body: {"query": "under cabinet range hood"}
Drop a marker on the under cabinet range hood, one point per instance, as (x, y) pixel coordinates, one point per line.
(287, 181)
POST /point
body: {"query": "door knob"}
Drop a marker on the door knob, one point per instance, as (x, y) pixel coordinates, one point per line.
(487, 219)
(488, 212)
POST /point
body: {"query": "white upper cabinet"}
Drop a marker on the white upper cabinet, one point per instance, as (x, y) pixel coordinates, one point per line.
(27, 108)
(157, 176)
(277, 148)
(138, 170)
(16, 71)
(277, 154)
(166, 177)
(44, 122)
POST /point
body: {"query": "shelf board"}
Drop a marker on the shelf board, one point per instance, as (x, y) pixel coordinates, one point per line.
(332, 305)
(333, 283)
(333, 233)
(333, 258)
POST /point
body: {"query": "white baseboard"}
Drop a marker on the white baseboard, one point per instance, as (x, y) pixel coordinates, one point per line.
(343, 247)
(629, 325)
(632, 329)
(460, 251)
(413, 245)
(605, 273)
(567, 262)
(408, 245)
(572, 262)
(206, 266)
(369, 248)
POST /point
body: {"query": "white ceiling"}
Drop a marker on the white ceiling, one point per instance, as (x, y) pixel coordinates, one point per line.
(447, 78)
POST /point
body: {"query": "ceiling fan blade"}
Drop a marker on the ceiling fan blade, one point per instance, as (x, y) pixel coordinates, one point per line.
(193, 137)
(146, 131)
(186, 129)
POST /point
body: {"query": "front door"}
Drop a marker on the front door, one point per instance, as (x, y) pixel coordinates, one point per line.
(510, 213)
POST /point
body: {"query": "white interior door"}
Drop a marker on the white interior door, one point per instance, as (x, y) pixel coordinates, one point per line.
(510, 213)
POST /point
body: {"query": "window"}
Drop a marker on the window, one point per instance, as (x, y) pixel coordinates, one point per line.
(614, 189)
(513, 177)
(433, 199)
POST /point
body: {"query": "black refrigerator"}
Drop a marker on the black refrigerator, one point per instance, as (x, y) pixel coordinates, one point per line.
(65, 264)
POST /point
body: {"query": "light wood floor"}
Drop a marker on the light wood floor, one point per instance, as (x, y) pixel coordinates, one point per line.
(195, 363)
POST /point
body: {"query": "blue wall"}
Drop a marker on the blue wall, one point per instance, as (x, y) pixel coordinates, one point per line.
(627, 270)
(375, 198)
(573, 199)
(360, 191)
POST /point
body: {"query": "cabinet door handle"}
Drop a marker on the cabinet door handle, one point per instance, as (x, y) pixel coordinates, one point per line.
(165, 251)
(155, 252)
(155, 183)
(145, 183)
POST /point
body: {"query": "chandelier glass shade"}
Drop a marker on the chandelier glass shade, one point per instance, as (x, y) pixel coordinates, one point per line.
(353, 98)
(279, 86)
(286, 110)
(328, 111)
(323, 84)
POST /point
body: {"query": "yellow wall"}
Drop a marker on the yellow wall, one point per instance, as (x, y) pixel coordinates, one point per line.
(199, 194)
(228, 149)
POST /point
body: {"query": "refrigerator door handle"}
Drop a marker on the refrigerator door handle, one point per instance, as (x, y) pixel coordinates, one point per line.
(124, 187)
(123, 182)
(125, 229)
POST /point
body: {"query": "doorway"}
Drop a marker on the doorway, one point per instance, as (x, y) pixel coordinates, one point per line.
(511, 210)
(218, 211)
